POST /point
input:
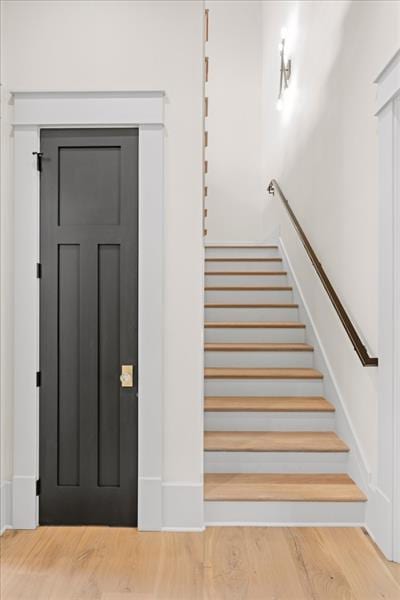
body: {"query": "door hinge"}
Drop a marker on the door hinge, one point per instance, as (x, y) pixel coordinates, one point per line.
(38, 270)
(38, 160)
(38, 378)
(37, 487)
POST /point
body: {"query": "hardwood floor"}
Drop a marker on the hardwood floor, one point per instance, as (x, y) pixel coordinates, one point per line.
(226, 563)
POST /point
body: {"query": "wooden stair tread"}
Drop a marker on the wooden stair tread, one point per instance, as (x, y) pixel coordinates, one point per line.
(291, 487)
(273, 441)
(257, 347)
(246, 273)
(254, 324)
(218, 305)
(248, 288)
(241, 259)
(267, 404)
(260, 373)
(241, 246)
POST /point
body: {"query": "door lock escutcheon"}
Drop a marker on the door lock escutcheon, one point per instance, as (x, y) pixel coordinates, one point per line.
(126, 377)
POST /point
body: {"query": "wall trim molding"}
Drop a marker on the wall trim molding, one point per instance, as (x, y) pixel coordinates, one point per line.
(5, 506)
(284, 514)
(32, 111)
(281, 524)
(183, 506)
(358, 466)
(386, 530)
(388, 82)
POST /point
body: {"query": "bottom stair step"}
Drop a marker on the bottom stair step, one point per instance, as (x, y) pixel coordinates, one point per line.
(285, 487)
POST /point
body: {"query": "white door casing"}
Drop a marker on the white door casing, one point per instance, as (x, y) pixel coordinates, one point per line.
(32, 112)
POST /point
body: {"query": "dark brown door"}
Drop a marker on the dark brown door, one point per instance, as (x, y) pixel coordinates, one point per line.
(88, 326)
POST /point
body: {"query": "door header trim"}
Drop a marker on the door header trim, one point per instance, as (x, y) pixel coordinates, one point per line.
(124, 108)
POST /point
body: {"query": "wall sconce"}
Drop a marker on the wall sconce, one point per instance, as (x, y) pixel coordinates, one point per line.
(285, 71)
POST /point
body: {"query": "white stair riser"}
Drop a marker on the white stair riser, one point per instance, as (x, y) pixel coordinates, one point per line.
(263, 387)
(262, 334)
(251, 314)
(211, 280)
(284, 513)
(275, 462)
(258, 359)
(248, 296)
(235, 266)
(263, 421)
(242, 252)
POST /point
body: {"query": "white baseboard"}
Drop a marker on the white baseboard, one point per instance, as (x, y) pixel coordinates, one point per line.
(5, 506)
(288, 514)
(358, 467)
(183, 508)
(379, 520)
(149, 504)
(280, 524)
(24, 504)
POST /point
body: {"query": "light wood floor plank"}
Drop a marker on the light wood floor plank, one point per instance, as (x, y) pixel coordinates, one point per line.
(232, 563)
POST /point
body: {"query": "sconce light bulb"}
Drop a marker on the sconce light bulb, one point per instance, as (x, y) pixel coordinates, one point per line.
(280, 46)
(283, 33)
(279, 104)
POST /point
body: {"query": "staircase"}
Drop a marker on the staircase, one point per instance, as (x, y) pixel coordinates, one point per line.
(271, 451)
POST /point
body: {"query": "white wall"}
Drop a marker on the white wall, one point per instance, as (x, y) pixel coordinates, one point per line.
(112, 45)
(235, 186)
(322, 149)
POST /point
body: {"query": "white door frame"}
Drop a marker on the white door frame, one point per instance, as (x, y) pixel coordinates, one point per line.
(386, 527)
(34, 111)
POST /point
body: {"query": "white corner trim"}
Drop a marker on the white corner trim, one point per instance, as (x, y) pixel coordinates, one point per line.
(358, 465)
(33, 111)
(183, 506)
(5, 506)
(388, 82)
(387, 531)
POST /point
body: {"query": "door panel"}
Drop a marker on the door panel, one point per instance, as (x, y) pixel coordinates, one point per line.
(88, 326)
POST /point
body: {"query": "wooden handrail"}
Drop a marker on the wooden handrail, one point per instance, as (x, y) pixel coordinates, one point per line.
(359, 347)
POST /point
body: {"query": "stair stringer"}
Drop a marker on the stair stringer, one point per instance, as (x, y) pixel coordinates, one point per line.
(357, 464)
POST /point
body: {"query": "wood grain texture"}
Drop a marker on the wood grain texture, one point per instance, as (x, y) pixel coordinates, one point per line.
(248, 288)
(256, 347)
(243, 260)
(219, 305)
(253, 325)
(267, 404)
(225, 563)
(246, 273)
(273, 441)
(259, 373)
(241, 246)
(293, 487)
